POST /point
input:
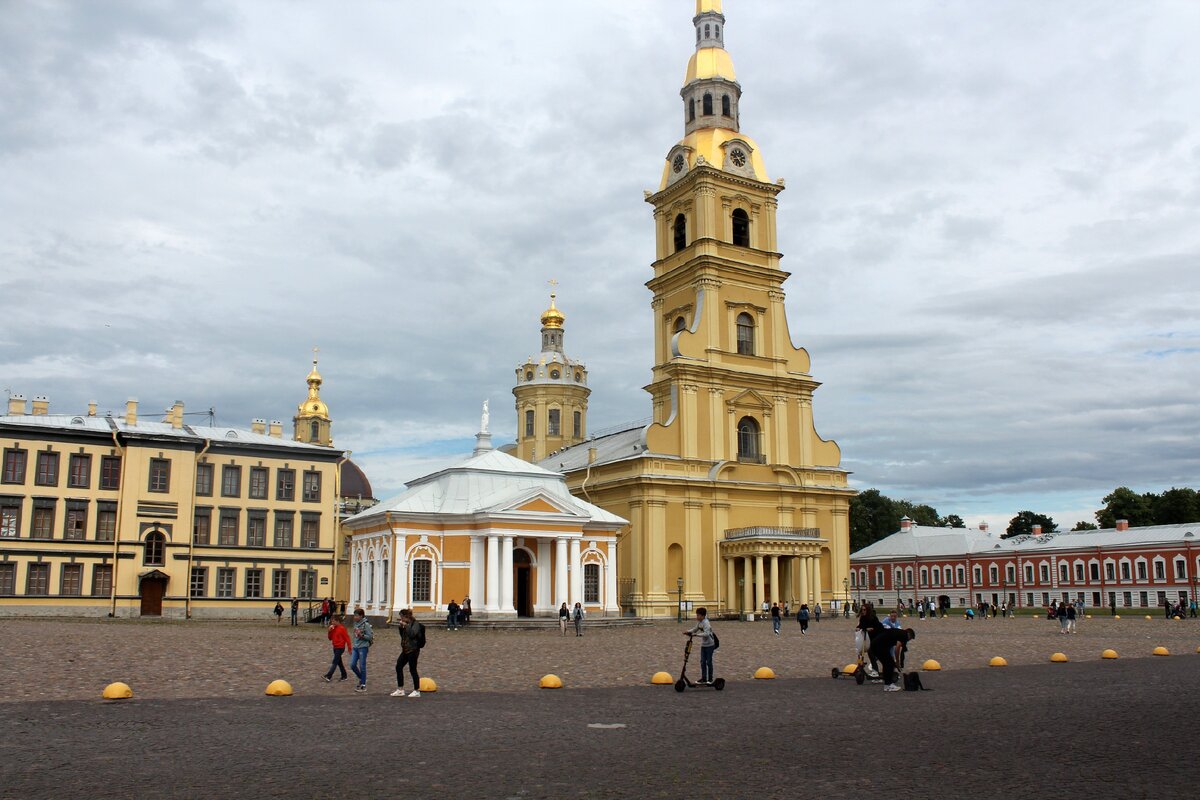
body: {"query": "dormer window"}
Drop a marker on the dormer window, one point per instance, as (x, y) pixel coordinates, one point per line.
(528, 374)
(680, 324)
(555, 374)
(706, 31)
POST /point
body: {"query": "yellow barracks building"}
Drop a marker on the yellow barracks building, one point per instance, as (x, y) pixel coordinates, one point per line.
(732, 496)
(124, 516)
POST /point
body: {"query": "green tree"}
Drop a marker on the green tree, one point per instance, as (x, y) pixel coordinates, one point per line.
(1022, 524)
(872, 517)
(1124, 503)
(1085, 526)
(921, 514)
(1175, 506)
(952, 520)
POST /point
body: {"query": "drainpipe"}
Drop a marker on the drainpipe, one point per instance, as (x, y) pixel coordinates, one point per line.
(187, 601)
(112, 609)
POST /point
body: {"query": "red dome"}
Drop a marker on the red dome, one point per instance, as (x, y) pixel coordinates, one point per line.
(354, 482)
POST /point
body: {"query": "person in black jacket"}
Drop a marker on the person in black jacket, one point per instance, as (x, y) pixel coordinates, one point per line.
(412, 639)
(452, 616)
(869, 625)
(886, 645)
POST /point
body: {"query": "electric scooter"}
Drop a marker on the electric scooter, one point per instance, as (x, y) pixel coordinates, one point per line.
(684, 683)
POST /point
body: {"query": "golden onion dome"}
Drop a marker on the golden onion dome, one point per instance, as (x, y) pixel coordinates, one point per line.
(313, 407)
(710, 62)
(707, 5)
(552, 317)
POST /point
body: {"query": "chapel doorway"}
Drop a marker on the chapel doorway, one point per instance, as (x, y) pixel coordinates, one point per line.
(152, 587)
(522, 583)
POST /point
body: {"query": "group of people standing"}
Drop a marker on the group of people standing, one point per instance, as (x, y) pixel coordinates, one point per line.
(458, 616)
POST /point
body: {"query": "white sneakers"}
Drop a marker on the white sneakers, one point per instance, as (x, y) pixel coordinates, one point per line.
(401, 693)
(398, 693)
(414, 694)
(895, 687)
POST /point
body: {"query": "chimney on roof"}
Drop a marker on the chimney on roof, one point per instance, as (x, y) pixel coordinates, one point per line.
(16, 405)
(905, 524)
(591, 455)
(276, 429)
(258, 425)
(91, 408)
(983, 526)
(41, 405)
(176, 414)
(131, 411)
(1122, 524)
(1037, 530)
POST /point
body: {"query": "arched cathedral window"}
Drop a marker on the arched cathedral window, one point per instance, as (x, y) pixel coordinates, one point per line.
(741, 228)
(725, 105)
(748, 440)
(680, 232)
(745, 334)
(708, 104)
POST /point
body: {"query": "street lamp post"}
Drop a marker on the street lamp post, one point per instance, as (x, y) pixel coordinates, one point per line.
(846, 590)
(679, 605)
(741, 594)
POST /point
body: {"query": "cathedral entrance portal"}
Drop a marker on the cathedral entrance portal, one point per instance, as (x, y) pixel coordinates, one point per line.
(522, 583)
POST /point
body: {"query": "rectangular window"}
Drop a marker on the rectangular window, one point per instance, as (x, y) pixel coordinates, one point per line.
(285, 484)
(1045, 598)
(202, 528)
(993, 574)
(1160, 570)
(204, 479)
(308, 583)
(1029, 599)
(1180, 570)
(1141, 570)
(1095, 598)
(106, 521)
(228, 534)
(1010, 573)
(1029, 573)
(591, 583)
(1044, 571)
(1064, 573)
(79, 474)
(1128, 598)
(1079, 572)
(225, 578)
(529, 422)
(1143, 600)
(978, 571)
(72, 580)
(37, 581)
(1125, 571)
(310, 530)
(552, 422)
(75, 527)
(960, 576)
(577, 425)
(1094, 571)
(312, 487)
(198, 585)
(422, 580)
(259, 476)
(160, 475)
(101, 580)
(1110, 572)
(256, 529)
(47, 469)
(14, 465)
(8, 579)
(110, 472)
(283, 528)
(231, 481)
(43, 518)
(254, 579)
(10, 517)
(281, 583)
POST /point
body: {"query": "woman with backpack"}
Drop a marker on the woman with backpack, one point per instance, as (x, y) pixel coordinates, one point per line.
(363, 637)
(802, 618)
(412, 639)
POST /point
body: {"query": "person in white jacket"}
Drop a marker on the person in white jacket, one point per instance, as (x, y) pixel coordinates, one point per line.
(578, 614)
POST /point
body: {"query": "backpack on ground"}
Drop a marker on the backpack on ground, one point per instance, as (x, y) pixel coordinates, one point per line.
(912, 682)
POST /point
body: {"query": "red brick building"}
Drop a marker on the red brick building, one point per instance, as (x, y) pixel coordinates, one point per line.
(1120, 567)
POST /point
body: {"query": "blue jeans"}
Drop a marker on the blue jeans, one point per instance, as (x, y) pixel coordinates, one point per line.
(358, 664)
(706, 665)
(337, 663)
(776, 622)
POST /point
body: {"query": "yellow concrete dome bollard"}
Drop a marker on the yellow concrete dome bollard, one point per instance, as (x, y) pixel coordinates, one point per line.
(1116, 616)
(1161, 651)
(550, 682)
(1087, 616)
(662, 679)
(117, 691)
(1176, 617)
(1109, 653)
(764, 673)
(1149, 617)
(279, 688)
(998, 661)
(428, 685)
(931, 665)
(1059, 658)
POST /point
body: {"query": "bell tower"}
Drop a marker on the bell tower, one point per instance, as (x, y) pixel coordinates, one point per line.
(551, 395)
(312, 422)
(728, 384)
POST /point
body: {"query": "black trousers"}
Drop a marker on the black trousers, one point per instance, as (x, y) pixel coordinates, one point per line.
(410, 659)
(887, 662)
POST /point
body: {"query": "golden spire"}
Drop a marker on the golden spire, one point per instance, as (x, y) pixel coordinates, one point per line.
(552, 317)
(707, 5)
(313, 405)
(314, 377)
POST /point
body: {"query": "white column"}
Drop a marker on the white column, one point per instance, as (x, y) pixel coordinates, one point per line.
(816, 582)
(776, 592)
(760, 593)
(731, 601)
(545, 602)
(576, 574)
(506, 576)
(493, 574)
(478, 578)
(747, 584)
(561, 594)
(610, 581)
(352, 600)
(399, 577)
(804, 581)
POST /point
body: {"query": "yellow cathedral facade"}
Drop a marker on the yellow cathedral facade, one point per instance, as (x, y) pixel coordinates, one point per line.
(733, 498)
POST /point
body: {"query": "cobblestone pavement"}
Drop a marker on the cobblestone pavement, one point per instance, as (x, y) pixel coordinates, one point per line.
(1081, 730)
(64, 660)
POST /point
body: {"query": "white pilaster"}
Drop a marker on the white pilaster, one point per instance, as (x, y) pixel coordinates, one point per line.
(478, 569)
(506, 576)
(354, 570)
(561, 593)
(544, 602)
(399, 577)
(493, 574)
(576, 574)
(611, 605)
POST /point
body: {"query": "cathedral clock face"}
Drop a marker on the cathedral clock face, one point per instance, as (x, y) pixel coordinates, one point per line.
(738, 157)
(678, 164)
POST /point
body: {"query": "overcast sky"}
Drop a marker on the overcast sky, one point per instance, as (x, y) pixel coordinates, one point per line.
(992, 221)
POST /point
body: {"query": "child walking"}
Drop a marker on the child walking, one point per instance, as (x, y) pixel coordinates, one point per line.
(341, 643)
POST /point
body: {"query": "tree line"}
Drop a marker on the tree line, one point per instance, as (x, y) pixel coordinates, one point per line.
(874, 515)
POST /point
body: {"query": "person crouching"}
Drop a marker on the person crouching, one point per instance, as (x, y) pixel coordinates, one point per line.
(886, 646)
